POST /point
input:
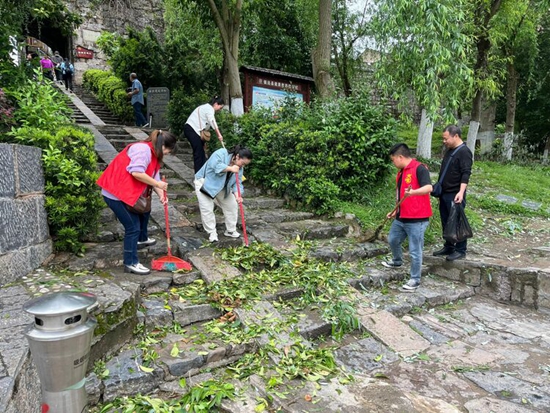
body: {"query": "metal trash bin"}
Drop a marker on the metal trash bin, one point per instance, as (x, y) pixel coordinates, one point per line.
(60, 342)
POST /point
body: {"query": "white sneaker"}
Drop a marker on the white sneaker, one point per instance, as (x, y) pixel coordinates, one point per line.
(148, 243)
(137, 269)
(146, 125)
(233, 234)
(213, 237)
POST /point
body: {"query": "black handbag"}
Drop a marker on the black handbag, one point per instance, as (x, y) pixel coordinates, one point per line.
(143, 203)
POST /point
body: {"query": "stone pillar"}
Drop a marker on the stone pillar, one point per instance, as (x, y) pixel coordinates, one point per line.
(24, 234)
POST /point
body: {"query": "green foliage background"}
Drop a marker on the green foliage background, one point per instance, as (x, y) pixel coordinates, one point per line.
(69, 161)
(111, 91)
(316, 156)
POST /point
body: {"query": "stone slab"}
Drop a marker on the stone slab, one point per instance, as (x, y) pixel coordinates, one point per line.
(7, 171)
(392, 332)
(511, 388)
(365, 355)
(212, 268)
(186, 314)
(491, 405)
(29, 176)
(126, 377)
(18, 263)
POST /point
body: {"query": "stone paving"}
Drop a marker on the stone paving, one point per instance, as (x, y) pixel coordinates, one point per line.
(474, 338)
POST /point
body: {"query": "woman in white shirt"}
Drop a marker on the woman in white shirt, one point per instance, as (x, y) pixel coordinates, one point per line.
(202, 118)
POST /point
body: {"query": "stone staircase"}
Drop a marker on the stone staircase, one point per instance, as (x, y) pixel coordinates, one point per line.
(454, 345)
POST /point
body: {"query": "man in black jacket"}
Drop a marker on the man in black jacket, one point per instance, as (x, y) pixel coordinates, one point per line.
(454, 185)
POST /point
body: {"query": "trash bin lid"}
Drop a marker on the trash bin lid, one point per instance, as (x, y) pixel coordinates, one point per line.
(59, 303)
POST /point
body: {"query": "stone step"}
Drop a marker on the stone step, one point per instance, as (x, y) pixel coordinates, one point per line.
(211, 267)
(391, 331)
(277, 335)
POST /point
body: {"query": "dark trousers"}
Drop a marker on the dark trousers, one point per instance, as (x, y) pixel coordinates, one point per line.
(135, 229)
(138, 114)
(445, 202)
(68, 79)
(199, 156)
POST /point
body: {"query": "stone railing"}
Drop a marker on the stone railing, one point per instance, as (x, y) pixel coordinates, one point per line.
(24, 236)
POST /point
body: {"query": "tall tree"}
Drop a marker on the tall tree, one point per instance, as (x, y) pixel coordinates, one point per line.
(276, 35)
(533, 110)
(424, 52)
(348, 28)
(483, 13)
(227, 15)
(321, 54)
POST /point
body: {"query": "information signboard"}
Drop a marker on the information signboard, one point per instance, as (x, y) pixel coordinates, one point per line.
(262, 96)
(157, 106)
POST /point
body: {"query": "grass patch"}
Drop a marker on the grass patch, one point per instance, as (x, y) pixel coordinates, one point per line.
(489, 179)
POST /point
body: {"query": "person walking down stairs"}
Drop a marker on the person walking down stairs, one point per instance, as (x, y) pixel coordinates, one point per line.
(137, 101)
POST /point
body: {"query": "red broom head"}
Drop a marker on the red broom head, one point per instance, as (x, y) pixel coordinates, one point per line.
(170, 263)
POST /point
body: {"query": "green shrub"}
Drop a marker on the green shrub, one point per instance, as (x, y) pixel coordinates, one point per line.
(316, 156)
(110, 90)
(182, 104)
(39, 105)
(69, 160)
(72, 198)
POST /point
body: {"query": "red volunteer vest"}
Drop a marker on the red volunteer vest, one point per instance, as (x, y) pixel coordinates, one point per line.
(119, 182)
(416, 206)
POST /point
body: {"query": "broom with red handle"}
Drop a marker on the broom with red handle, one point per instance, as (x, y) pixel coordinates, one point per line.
(169, 262)
(245, 236)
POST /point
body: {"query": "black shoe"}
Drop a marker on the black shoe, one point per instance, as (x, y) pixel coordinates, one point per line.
(443, 251)
(456, 256)
(391, 264)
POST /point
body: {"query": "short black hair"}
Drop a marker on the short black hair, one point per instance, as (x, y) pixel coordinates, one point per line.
(453, 130)
(400, 149)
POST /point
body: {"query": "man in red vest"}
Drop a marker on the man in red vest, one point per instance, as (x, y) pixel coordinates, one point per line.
(413, 185)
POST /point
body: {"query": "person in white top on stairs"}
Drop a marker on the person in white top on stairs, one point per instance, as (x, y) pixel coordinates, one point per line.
(202, 119)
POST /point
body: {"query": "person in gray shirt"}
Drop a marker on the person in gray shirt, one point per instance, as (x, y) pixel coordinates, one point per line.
(136, 95)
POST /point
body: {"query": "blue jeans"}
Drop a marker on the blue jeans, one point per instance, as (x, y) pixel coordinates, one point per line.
(445, 203)
(135, 229)
(399, 231)
(138, 114)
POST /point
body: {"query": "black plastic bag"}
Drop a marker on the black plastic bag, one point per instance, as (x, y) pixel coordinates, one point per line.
(457, 228)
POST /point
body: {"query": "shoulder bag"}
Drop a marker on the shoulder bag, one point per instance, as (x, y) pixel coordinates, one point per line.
(205, 135)
(143, 203)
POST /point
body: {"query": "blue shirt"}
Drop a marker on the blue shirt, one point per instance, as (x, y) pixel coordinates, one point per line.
(138, 97)
(213, 172)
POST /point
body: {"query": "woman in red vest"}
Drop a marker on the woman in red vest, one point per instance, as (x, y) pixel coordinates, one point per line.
(129, 175)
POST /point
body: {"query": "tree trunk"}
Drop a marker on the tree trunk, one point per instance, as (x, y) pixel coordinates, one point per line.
(321, 54)
(424, 142)
(483, 45)
(472, 136)
(511, 100)
(229, 25)
(486, 132)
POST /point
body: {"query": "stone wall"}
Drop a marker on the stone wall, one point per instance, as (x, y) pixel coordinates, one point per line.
(24, 235)
(113, 16)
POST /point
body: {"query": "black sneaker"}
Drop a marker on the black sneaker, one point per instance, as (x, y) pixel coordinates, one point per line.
(443, 251)
(456, 256)
(411, 285)
(391, 264)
